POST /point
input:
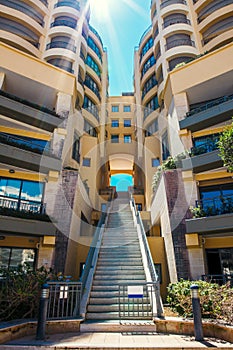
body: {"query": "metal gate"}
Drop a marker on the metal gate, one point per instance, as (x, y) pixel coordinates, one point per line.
(64, 300)
(137, 301)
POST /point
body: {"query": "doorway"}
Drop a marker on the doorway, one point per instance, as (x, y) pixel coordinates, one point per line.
(121, 182)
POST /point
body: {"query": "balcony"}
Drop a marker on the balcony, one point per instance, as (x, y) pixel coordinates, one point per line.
(172, 2)
(27, 155)
(63, 22)
(73, 4)
(62, 45)
(25, 217)
(96, 34)
(216, 206)
(203, 162)
(179, 42)
(210, 9)
(28, 112)
(175, 21)
(217, 224)
(45, 2)
(211, 113)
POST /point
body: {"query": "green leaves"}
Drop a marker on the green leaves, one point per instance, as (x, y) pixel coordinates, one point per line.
(225, 146)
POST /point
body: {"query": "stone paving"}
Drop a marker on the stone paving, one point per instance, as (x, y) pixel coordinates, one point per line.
(120, 340)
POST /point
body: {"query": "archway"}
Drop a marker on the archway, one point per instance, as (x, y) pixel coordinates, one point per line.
(121, 182)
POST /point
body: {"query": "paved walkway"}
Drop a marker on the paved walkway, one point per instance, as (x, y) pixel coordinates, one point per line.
(90, 340)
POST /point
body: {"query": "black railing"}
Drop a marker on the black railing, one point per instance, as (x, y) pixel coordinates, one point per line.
(216, 206)
(179, 42)
(45, 2)
(27, 145)
(28, 103)
(92, 88)
(172, 2)
(219, 279)
(67, 69)
(148, 87)
(64, 300)
(83, 57)
(210, 105)
(175, 21)
(22, 205)
(80, 79)
(63, 22)
(206, 147)
(62, 45)
(18, 31)
(73, 4)
(145, 33)
(93, 110)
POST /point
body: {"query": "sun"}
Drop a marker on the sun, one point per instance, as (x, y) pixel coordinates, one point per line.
(100, 9)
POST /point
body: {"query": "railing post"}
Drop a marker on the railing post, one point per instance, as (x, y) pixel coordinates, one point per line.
(43, 307)
(198, 330)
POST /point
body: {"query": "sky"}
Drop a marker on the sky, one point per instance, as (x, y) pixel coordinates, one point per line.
(122, 182)
(120, 24)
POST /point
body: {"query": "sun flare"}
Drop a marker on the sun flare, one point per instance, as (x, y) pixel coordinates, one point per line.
(100, 9)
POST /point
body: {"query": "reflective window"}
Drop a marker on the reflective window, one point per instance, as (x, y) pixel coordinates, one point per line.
(94, 47)
(115, 123)
(13, 257)
(93, 65)
(115, 109)
(114, 138)
(127, 139)
(149, 63)
(127, 123)
(127, 109)
(155, 162)
(87, 162)
(76, 148)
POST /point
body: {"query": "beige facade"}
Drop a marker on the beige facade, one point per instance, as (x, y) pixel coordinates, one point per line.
(63, 137)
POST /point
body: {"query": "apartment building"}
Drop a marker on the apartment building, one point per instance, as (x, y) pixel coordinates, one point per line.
(63, 139)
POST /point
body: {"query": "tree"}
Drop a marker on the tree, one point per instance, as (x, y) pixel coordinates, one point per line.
(225, 146)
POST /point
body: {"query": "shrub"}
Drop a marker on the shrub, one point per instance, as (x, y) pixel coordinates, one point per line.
(225, 145)
(216, 301)
(20, 292)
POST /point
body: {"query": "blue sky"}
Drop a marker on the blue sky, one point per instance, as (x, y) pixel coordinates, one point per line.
(121, 181)
(120, 24)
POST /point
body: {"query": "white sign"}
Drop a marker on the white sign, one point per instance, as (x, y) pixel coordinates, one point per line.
(135, 291)
(63, 292)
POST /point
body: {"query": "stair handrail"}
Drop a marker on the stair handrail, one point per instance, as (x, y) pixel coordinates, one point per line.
(91, 260)
(150, 263)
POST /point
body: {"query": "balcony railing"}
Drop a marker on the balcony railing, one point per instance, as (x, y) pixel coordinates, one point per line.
(80, 79)
(216, 206)
(22, 205)
(67, 69)
(219, 279)
(206, 147)
(214, 7)
(175, 21)
(63, 22)
(92, 88)
(24, 144)
(28, 103)
(73, 4)
(179, 42)
(210, 105)
(145, 33)
(61, 45)
(96, 33)
(172, 2)
(82, 56)
(45, 2)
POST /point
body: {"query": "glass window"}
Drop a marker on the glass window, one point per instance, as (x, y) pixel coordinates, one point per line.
(115, 123)
(87, 162)
(165, 146)
(127, 109)
(94, 47)
(152, 128)
(21, 194)
(127, 139)
(151, 106)
(93, 65)
(115, 109)
(89, 129)
(155, 162)
(127, 123)
(13, 257)
(148, 64)
(139, 206)
(76, 148)
(114, 138)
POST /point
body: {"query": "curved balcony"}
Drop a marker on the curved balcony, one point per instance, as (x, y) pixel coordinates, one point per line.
(95, 90)
(19, 43)
(73, 4)
(208, 10)
(62, 45)
(172, 2)
(26, 9)
(176, 21)
(45, 2)
(66, 23)
(96, 34)
(179, 42)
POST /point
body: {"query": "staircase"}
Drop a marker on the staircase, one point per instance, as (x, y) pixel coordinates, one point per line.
(119, 261)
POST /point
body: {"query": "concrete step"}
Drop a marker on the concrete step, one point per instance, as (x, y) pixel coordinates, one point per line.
(125, 269)
(117, 281)
(113, 300)
(115, 262)
(115, 316)
(120, 276)
(122, 327)
(120, 256)
(115, 307)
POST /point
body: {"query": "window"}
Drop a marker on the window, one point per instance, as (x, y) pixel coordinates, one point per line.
(127, 139)
(103, 207)
(152, 128)
(158, 270)
(21, 195)
(155, 162)
(89, 129)
(127, 109)
(94, 47)
(115, 123)
(127, 123)
(149, 84)
(165, 146)
(89, 105)
(139, 206)
(146, 47)
(149, 63)
(13, 257)
(91, 84)
(115, 109)
(151, 106)
(114, 138)
(76, 149)
(93, 65)
(87, 162)
(27, 143)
